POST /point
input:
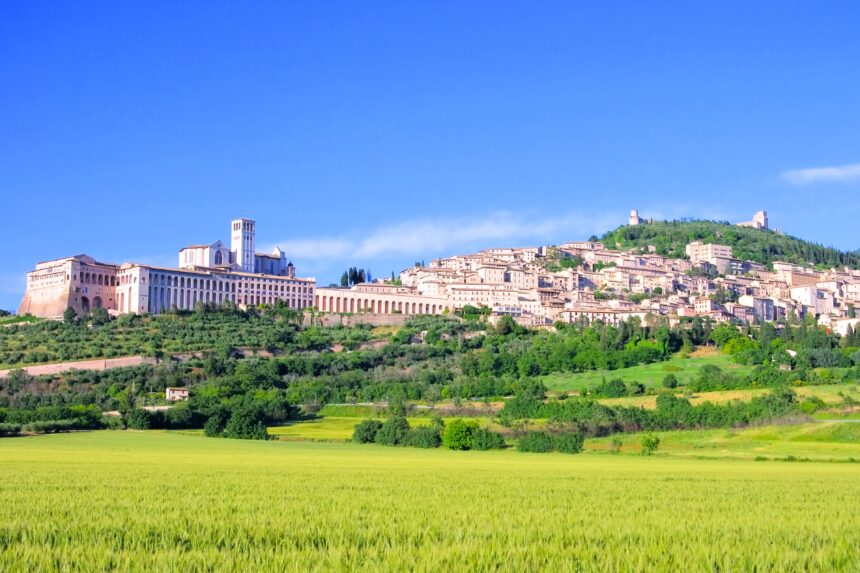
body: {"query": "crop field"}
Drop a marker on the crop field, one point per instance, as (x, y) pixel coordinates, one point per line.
(340, 428)
(327, 428)
(829, 394)
(651, 375)
(146, 501)
(818, 441)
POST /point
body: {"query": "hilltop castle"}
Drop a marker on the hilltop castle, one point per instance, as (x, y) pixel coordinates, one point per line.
(209, 273)
(759, 221)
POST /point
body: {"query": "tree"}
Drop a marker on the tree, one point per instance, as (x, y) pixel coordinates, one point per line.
(69, 315)
(459, 434)
(649, 444)
(393, 431)
(506, 326)
(138, 419)
(365, 432)
(246, 423)
(536, 442)
(723, 333)
(423, 437)
(486, 439)
(100, 316)
(670, 381)
(214, 426)
(569, 442)
(344, 279)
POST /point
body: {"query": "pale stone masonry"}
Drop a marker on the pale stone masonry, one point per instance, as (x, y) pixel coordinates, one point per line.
(527, 283)
(206, 274)
(759, 221)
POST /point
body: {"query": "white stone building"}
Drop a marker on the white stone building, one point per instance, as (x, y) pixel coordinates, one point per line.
(207, 274)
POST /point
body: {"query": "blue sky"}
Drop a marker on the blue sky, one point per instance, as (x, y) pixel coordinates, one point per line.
(380, 133)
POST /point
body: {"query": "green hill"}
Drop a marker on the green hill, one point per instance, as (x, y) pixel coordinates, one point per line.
(759, 245)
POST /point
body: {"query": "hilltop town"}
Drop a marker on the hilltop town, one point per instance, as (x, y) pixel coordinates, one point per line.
(537, 286)
(585, 281)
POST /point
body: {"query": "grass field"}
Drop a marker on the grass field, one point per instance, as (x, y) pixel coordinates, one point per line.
(848, 414)
(818, 441)
(823, 441)
(651, 375)
(339, 428)
(151, 501)
(327, 428)
(829, 394)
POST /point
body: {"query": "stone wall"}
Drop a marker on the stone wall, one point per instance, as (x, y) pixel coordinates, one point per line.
(99, 364)
(332, 319)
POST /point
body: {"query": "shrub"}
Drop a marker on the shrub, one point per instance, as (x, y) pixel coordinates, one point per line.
(711, 377)
(365, 431)
(612, 389)
(423, 437)
(536, 442)
(650, 443)
(811, 405)
(486, 439)
(10, 429)
(393, 431)
(569, 442)
(459, 434)
(670, 381)
(437, 423)
(615, 445)
(54, 426)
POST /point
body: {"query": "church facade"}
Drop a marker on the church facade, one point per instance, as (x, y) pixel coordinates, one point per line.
(210, 273)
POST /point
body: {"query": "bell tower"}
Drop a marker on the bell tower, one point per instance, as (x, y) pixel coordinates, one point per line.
(242, 244)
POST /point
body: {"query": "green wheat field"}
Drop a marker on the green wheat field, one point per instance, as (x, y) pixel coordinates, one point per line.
(156, 501)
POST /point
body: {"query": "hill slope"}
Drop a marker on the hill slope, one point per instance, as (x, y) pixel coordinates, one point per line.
(759, 245)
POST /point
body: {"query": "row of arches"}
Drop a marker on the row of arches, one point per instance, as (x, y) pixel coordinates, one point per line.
(334, 303)
(97, 279)
(162, 299)
(189, 282)
(86, 306)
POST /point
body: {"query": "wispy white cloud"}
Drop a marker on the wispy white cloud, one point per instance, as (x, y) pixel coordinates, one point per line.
(421, 237)
(836, 174)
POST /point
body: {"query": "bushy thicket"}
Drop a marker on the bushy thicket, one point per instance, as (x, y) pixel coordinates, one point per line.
(221, 412)
(672, 413)
(9, 429)
(457, 434)
(87, 416)
(50, 419)
(541, 441)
